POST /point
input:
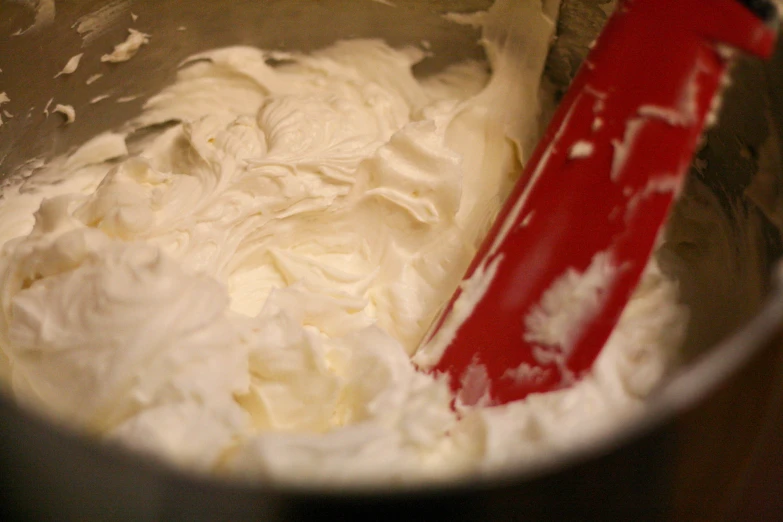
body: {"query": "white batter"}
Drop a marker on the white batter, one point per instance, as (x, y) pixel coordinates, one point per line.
(243, 291)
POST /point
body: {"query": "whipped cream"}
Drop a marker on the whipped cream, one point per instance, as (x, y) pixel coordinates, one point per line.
(237, 281)
(68, 112)
(71, 66)
(126, 50)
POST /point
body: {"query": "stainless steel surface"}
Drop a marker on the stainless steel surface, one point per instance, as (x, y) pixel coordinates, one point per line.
(722, 244)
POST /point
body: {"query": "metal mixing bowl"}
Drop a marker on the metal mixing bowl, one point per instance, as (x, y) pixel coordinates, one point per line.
(722, 244)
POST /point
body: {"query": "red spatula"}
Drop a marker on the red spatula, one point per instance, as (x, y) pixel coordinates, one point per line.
(568, 248)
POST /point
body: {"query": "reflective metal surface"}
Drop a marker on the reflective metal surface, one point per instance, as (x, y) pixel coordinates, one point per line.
(721, 244)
